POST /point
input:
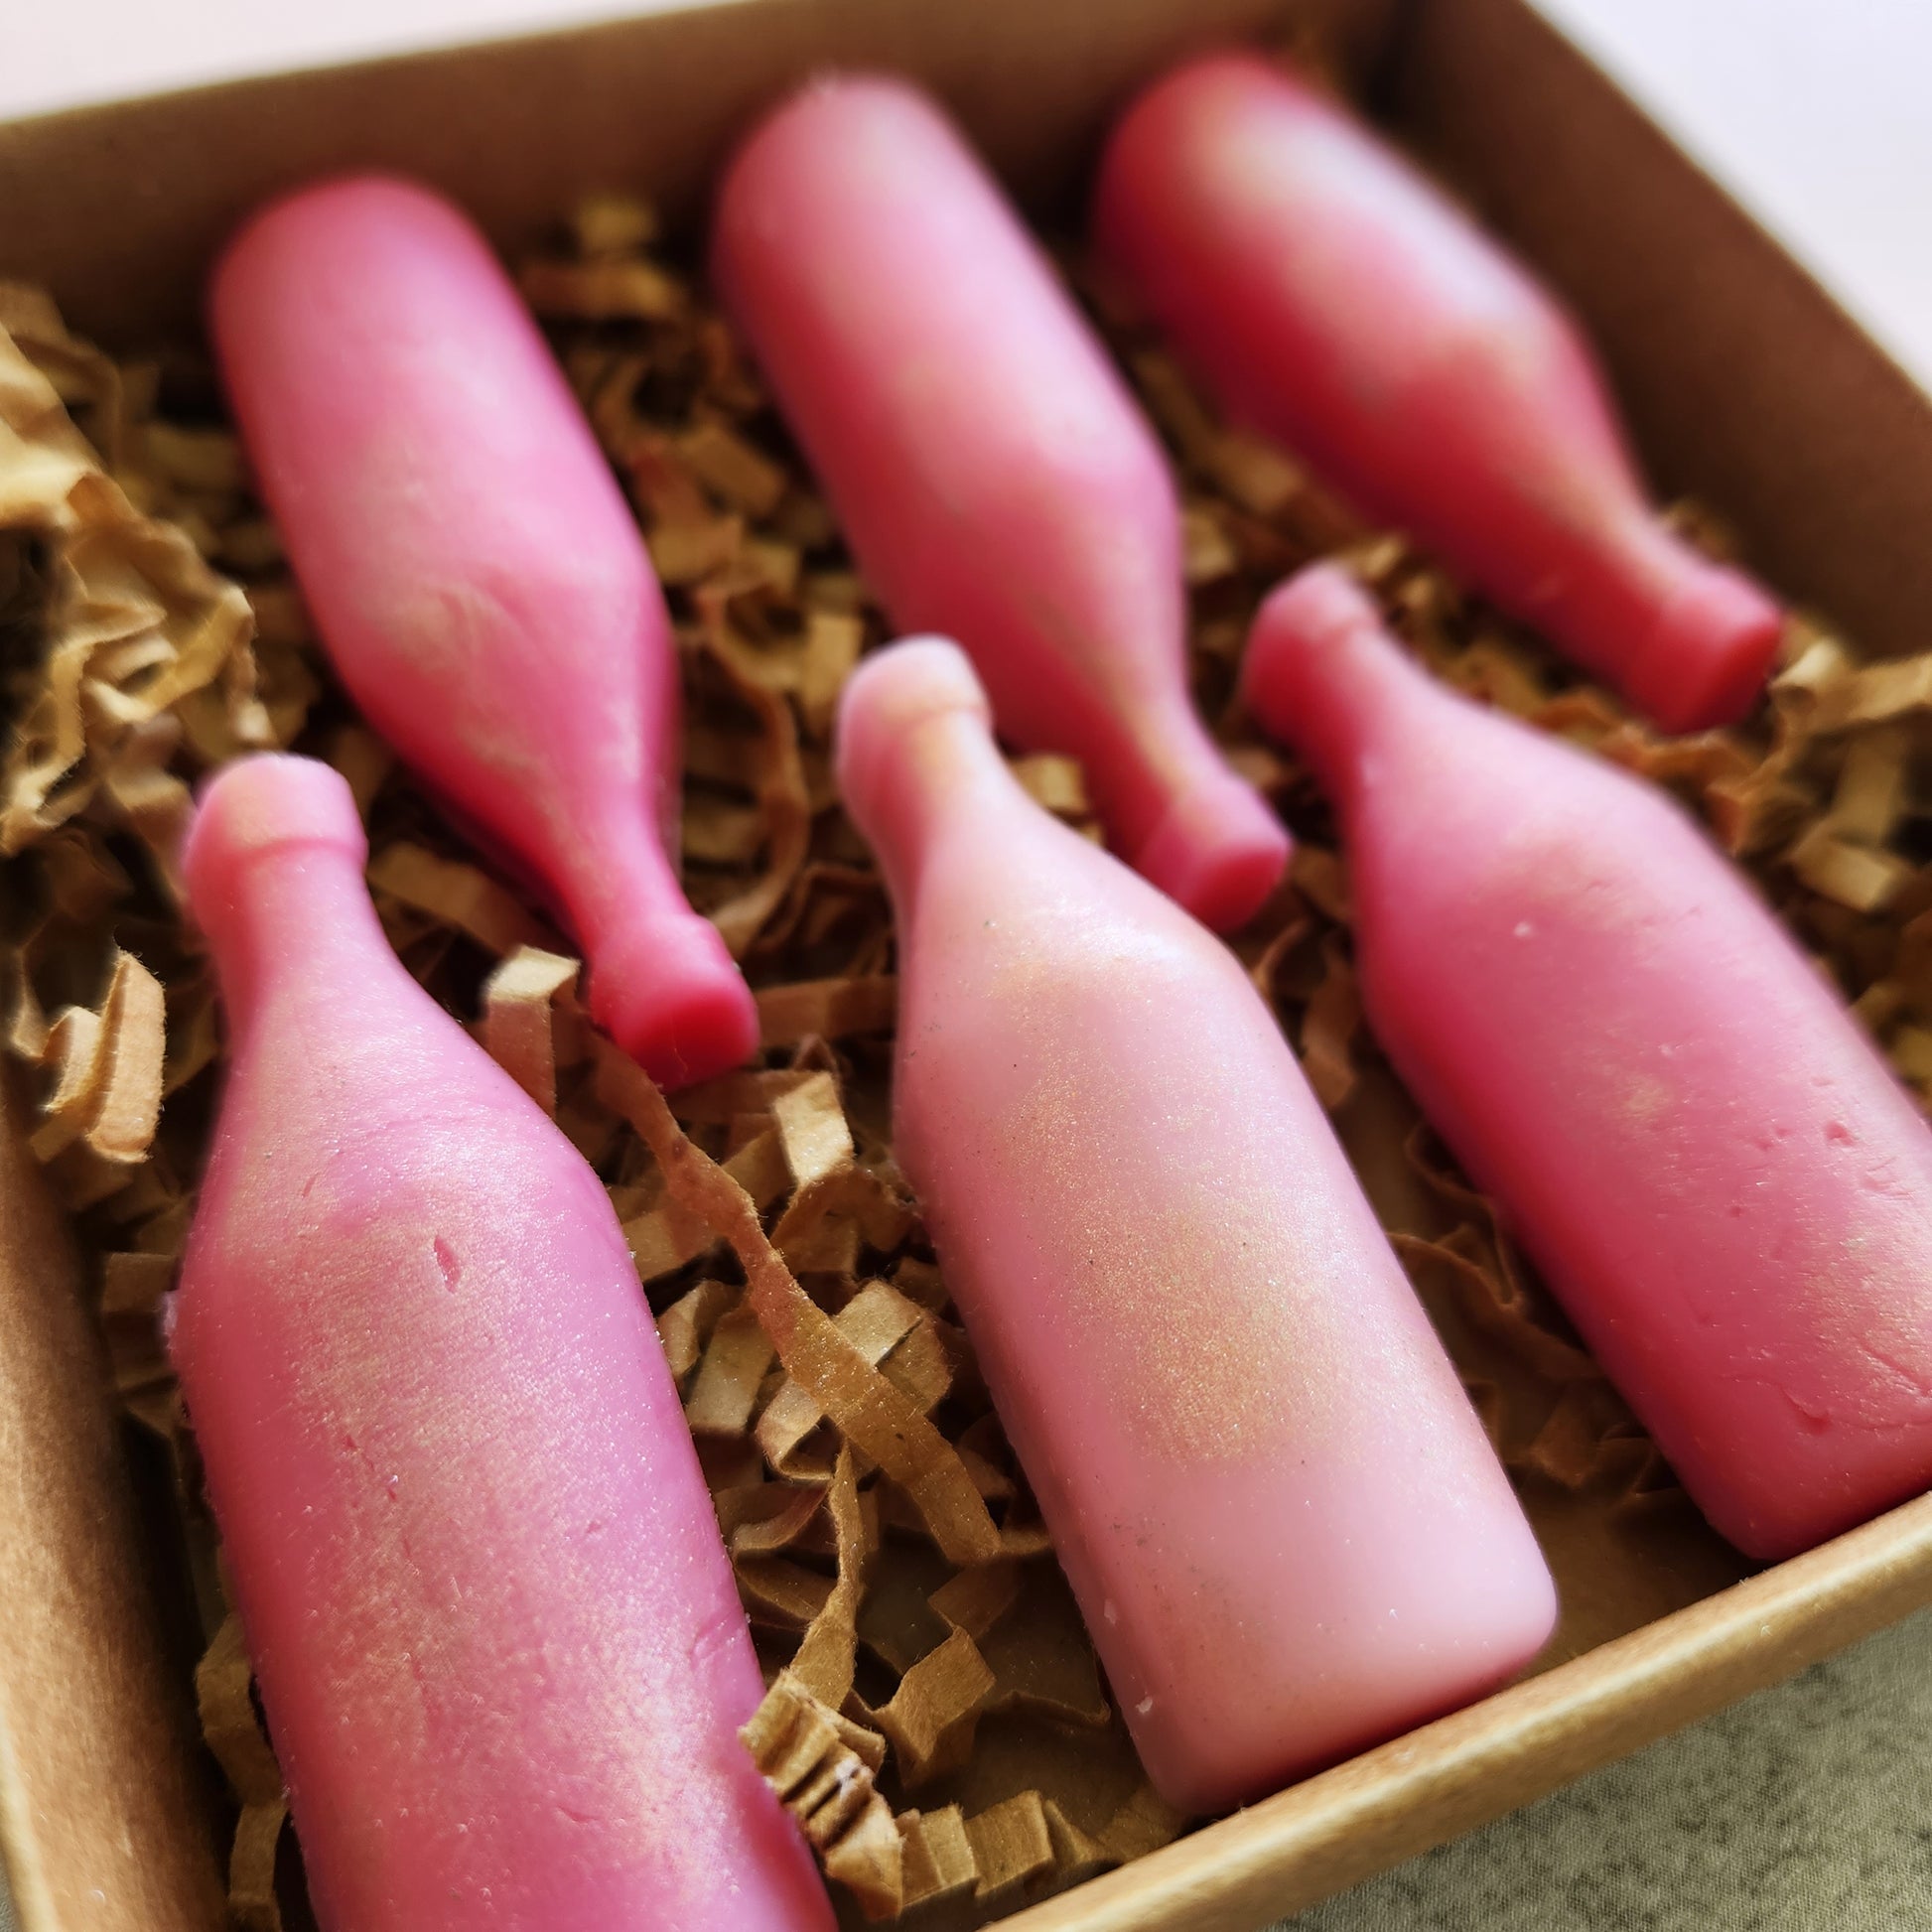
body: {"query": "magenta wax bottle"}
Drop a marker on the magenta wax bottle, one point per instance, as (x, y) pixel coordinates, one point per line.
(1335, 299)
(496, 1636)
(1284, 1524)
(994, 477)
(1717, 1174)
(478, 578)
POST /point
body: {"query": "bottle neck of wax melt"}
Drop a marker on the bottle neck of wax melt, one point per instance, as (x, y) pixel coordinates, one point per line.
(1685, 638)
(274, 875)
(1321, 676)
(1201, 834)
(918, 763)
(659, 973)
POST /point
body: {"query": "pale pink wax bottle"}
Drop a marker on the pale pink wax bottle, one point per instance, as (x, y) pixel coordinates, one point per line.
(1720, 1178)
(995, 479)
(478, 581)
(1334, 298)
(497, 1639)
(1286, 1529)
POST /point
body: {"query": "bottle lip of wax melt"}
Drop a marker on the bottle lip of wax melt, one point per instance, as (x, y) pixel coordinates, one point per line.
(268, 802)
(875, 731)
(1713, 645)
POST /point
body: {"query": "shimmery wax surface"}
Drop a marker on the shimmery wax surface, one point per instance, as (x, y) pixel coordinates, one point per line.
(1214, 1299)
(1255, 1457)
(1801, 1166)
(496, 1635)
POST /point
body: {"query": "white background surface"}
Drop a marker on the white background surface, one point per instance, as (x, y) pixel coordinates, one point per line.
(1817, 114)
(1807, 1808)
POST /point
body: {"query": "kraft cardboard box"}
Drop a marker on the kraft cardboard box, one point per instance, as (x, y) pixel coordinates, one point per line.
(1744, 385)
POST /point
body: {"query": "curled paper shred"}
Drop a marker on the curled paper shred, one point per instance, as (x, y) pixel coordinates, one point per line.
(932, 1715)
(613, 290)
(134, 620)
(685, 1326)
(729, 1373)
(875, 1320)
(768, 1516)
(937, 1719)
(735, 471)
(130, 1311)
(827, 1220)
(833, 639)
(829, 1008)
(457, 896)
(1207, 552)
(874, 1416)
(1036, 1649)
(1321, 878)
(812, 1129)
(1848, 873)
(827, 1657)
(778, 781)
(107, 1067)
(1328, 1025)
(826, 1785)
(936, 1858)
(1012, 1841)
(1873, 792)
(1055, 783)
(1842, 697)
(223, 1692)
(782, 1595)
(519, 1024)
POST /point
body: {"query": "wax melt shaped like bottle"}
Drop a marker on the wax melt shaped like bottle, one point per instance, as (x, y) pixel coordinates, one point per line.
(497, 1639)
(479, 582)
(1720, 1178)
(993, 476)
(1286, 1529)
(1335, 299)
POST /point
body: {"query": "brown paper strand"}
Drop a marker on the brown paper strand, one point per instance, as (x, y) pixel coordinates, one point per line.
(937, 1719)
(826, 1657)
(519, 1027)
(875, 1417)
(828, 1788)
(223, 1696)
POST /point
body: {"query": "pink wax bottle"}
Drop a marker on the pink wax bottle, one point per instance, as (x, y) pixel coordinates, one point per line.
(996, 480)
(497, 1640)
(1335, 299)
(478, 581)
(1286, 1529)
(1719, 1177)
